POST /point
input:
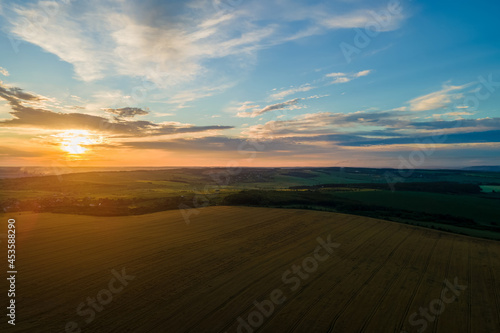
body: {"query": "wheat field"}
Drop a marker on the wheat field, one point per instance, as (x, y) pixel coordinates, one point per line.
(231, 269)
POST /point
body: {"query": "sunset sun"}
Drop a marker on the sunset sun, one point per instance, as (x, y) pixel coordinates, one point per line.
(76, 142)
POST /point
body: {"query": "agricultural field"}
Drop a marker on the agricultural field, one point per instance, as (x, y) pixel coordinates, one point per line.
(490, 188)
(231, 269)
(460, 201)
(483, 211)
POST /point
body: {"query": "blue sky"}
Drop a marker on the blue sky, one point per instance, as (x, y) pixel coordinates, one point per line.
(256, 83)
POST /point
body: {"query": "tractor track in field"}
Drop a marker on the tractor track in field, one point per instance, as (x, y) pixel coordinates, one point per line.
(270, 289)
(419, 283)
(353, 296)
(386, 292)
(447, 271)
(303, 288)
(469, 293)
(297, 323)
(494, 290)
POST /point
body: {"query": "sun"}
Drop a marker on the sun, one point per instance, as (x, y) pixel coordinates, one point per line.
(76, 142)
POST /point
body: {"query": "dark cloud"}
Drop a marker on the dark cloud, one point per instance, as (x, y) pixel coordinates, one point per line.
(300, 145)
(30, 117)
(327, 122)
(240, 146)
(385, 124)
(39, 118)
(471, 137)
(380, 133)
(127, 112)
(397, 127)
(15, 95)
(485, 122)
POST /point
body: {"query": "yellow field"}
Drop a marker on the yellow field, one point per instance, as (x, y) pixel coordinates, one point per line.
(205, 276)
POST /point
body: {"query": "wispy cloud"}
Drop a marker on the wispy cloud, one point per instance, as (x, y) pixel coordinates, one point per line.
(346, 77)
(4, 72)
(110, 38)
(182, 98)
(291, 104)
(438, 99)
(163, 114)
(458, 114)
(362, 18)
(291, 91)
(317, 96)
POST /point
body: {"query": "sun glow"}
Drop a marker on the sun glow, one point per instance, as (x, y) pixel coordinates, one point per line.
(77, 142)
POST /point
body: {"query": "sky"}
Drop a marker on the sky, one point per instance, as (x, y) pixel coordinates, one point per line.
(276, 83)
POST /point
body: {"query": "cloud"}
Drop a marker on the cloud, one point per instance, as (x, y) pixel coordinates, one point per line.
(45, 119)
(119, 37)
(327, 123)
(27, 116)
(344, 77)
(362, 73)
(341, 79)
(4, 72)
(163, 114)
(317, 96)
(247, 105)
(108, 38)
(127, 112)
(458, 113)
(16, 95)
(291, 104)
(165, 43)
(485, 123)
(378, 129)
(377, 21)
(436, 100)
(186, 96)
(278, 106)
(61, 36)
(454, 138)
(218, 144)
(284, 93)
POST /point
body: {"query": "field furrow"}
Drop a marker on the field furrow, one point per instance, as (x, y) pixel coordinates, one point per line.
(206, 275)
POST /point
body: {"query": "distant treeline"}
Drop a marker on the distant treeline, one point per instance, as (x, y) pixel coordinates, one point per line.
(328, 201)
(97, 207)
(432, 187)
